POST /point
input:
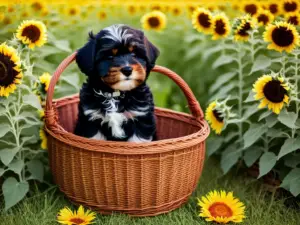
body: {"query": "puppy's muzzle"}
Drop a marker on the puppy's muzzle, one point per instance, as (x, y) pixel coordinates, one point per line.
(126, 70)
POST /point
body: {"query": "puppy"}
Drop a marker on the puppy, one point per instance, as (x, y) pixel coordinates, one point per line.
(115, 102)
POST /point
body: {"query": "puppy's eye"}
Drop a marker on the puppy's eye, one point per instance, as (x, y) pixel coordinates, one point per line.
(110, 57)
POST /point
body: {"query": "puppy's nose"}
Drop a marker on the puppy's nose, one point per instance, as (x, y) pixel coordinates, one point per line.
(126, 70)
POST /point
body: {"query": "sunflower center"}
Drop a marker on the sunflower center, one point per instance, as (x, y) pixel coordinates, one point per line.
(220, 209)
(290, 6)
(32, 32)
(204, 20)
(37, 6)
(220, 27)
(293, 20)
(77, 220)
(244, 30)
(282, 36)
(153, 22)
(251, 9)
(263, 18)
(218, 115)
(274, 92)
(7, 72)
(273, 8)
(72, 12)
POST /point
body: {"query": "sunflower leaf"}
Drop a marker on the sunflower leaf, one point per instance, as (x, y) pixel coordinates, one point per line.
(291, 181)
(223, 60)
(213, 144)
(221, 80)
(16, 166)
(250, 97)
(5, 128)
(14, 191)
(288, 118)
(266, 163)
(290, 145)
(32, 100)
(254, 132)
(36, 168)
(7, 155)
(229, 158)
(252, 154)
(261, 63)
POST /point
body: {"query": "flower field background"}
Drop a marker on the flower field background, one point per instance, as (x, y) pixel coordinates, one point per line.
(241, 59)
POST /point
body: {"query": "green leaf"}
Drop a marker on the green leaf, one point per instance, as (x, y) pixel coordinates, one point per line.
(29, 140)
(7, 155)
(14, 191)
(288, 118)
(16, 166)
(252, 154)
(2, 171)
(271, 120)
(290, 145)
(222, 60)
(254, 132)
(213, 144)
(36, 168)
(229, 158)
(261, 63)
(250, 110)
(63, 45)
(250, 98)
(71, 79)
(5, 128)
(292, 182)
(264, 115)
(32, 100)
(291, 160)
(222, 79)
(266, 163)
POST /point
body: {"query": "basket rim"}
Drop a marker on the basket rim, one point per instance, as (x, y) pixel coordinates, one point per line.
(129, 148)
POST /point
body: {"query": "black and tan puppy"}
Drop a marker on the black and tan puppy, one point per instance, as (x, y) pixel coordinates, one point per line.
(115, 102)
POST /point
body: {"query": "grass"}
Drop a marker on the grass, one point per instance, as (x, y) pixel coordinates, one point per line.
(261, 208)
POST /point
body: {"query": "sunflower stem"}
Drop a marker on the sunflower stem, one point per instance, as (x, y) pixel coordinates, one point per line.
(240, 99)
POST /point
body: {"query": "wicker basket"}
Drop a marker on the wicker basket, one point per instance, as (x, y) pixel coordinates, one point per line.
(143, 179)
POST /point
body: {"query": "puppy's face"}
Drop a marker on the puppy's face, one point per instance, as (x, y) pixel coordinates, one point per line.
(120, 56)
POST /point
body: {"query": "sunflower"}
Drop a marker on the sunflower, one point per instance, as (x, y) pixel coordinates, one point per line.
(45, 79)
(41, 114)
(33, 33)
(274, 8)
(24, 14)
(242, 27)
(221, 26)
(293, 18)
(43, 137)
(132, 9)
(282, 35)
(272, 92)
(154, 20)
(176, 11)
(215, 117)
(202, 20)
(10, 70)
(264, 17)
(102, 15)
(73, 11)
(251, 8)
(289, 6)
(7, 20)
(221, 207)
(38, 6)
(66, 216)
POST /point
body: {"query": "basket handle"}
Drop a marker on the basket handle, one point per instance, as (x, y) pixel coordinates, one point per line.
(194, 105)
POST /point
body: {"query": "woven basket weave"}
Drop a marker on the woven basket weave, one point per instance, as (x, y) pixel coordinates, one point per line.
(139, 179)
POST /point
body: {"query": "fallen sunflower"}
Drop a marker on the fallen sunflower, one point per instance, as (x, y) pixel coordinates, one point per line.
(32, 33)
(272, 92)
(202, 20)
(43, 139)
(215, 117)
(289, 6)
(264, 17)
(10, 70)
(154, 20)
(282, 35)
(242, 27)
(293, 18)
(221, 207)
(221, 26)
(66, 216)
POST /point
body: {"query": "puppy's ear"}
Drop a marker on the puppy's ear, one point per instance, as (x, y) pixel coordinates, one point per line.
(86, 56)
(151, 52)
